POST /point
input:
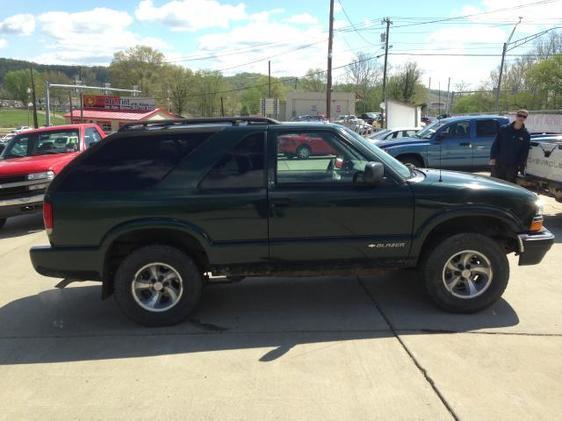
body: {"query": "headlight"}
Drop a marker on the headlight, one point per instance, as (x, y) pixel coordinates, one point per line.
(540, 206)
(47, 175)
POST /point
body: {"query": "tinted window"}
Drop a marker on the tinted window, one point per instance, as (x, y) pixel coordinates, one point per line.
(460, 129)
(241, 168)
(92, 136)
(130, 163)
(486, 128)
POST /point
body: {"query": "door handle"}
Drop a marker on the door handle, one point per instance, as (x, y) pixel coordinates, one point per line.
(466, 144)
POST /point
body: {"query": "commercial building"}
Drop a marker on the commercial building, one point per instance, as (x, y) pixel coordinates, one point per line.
(314, 103)
(112, 112)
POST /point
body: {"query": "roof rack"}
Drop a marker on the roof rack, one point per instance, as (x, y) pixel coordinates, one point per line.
(166, 124)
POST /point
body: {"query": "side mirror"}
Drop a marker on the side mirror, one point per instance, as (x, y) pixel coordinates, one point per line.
(374, 173)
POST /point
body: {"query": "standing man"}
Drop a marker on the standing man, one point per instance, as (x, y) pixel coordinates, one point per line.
(510, 149)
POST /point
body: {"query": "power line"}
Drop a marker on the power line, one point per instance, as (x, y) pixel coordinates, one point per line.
(353, 26)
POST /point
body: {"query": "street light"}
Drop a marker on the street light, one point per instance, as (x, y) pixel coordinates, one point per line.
(505, 44)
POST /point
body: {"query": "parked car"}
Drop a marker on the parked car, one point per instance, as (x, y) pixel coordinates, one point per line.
(310, 118)
(31, 160)
(21, 129)
(304, 146)
(160, 205)
(461, 143)
(356, 124)
(371, 118)
(395, 133)
(544, 165)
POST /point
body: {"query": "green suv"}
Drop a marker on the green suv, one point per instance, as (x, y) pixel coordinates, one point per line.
(159, 209)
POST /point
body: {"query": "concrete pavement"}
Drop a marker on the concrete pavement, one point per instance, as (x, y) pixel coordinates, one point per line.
(306, 348)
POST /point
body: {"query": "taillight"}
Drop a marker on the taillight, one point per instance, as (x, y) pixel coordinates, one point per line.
(48, 220)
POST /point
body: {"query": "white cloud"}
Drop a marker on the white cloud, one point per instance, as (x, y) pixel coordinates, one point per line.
(303, 18)
(191, 15)
(3, 43)
(286, 45)
(22, 24)
(89, 37)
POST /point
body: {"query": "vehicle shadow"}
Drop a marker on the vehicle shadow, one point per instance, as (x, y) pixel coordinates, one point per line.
(277, 314)
(19, 226)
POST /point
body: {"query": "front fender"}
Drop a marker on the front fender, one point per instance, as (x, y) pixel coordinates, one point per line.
(424, 230)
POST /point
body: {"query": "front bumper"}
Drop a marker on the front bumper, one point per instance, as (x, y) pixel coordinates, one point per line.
(84, 263)
(21, 205)
(534, 246)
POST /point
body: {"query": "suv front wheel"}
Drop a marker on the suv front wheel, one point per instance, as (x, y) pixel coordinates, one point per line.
(157, 285)
(466, 273)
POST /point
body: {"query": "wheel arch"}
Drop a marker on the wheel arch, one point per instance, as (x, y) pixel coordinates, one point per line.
(496, 224)
(126, 238)
(415, 155)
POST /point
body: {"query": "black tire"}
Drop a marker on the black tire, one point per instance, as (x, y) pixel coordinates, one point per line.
(187, 269)
(435, 260)
(3, 222)
(416, 162)
(303, 152)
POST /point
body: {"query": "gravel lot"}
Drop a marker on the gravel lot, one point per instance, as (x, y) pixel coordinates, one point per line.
(304, 348)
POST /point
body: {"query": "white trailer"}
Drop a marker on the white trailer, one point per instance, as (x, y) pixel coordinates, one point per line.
(544, 166)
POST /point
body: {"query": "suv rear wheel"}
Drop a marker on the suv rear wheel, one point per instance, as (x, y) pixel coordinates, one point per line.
(157, 285)
(465, 273)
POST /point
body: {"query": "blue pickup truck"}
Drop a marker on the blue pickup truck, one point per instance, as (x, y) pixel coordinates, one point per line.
(461, 143)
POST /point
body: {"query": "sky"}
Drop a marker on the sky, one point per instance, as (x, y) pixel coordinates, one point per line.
(237, 36)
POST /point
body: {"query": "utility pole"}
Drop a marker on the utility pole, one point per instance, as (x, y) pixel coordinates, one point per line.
(429, 87)
(269, 76)
(385, 99)
(504, 50)
(439, 101)
(448, 93)
(47, 104)
(329, 75)
(33, 98)
(222, 106)
(70, 106)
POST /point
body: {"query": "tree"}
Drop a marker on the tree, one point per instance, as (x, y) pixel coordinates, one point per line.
(546, 77)
(364, 74)
(140, 65)
(57, 95)
(208, 86)
(177, 85)
(313, 81)
(17, 82)
(474, 103)
(405, 86)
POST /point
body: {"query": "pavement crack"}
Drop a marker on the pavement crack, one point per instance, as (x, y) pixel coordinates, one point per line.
(418, 365)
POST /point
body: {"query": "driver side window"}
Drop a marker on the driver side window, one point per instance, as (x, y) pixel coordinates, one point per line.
(315, 157)
(459, 129)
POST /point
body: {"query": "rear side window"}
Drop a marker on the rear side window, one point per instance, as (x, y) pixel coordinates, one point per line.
(131, 163)
(486, 128)
(242, 168)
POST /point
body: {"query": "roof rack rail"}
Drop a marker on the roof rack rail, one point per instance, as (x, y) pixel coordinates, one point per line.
(166, 124)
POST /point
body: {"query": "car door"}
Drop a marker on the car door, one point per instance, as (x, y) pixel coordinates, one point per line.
(451, 146)
(319, 214)
(486, 131)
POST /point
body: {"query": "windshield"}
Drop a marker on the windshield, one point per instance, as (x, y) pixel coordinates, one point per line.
(381, 155)
(428, 131)
(380, 134)
(51, 142)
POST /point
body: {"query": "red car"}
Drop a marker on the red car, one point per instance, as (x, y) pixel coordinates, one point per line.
(31, 160)
(303, 146)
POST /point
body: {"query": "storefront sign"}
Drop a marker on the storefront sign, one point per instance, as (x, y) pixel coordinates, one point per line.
(116, 103)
